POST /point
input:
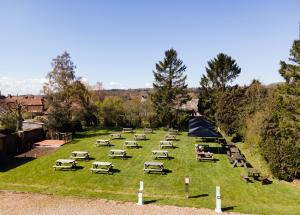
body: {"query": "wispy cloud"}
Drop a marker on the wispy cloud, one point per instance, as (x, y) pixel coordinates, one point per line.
(26, 86)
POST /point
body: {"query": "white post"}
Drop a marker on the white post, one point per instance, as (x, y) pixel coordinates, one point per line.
(140, 194)
(218, 200)
(141, 185)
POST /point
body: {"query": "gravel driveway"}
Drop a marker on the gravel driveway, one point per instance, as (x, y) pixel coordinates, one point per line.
(16, 203)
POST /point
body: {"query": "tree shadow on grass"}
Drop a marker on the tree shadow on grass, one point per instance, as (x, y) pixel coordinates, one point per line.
(84, 135)
(198, 196)
(14, 162)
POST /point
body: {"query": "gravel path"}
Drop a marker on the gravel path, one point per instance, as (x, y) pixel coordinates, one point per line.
(16, 203)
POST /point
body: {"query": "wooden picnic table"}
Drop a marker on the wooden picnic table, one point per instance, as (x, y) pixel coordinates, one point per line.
(170, 137)
(102, 142)
(128, 130)
(234, 150)
(130, 143)
(160, 154)
(153, 167)
(101, 167)
(116, 136)
(238, 158)
(113, 153)
(166, 143)
(252, 172)
(80, 155)
(202, 156)
(148, 130)
(140, 136)
(65, 164)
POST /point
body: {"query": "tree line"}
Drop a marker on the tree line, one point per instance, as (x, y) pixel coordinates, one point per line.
(266, 118)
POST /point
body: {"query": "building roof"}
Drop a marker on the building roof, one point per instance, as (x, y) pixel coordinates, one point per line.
(27, 100)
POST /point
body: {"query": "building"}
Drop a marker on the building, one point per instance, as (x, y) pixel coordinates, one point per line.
(31, 103)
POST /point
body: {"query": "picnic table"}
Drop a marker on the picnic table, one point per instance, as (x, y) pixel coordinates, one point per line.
(153, 167)
(148, 130)
(80, 155)
(202, 156)
(238, 158)
(101, 167)
(128, 130)
(234, 150)
(166, 143)
(140, 136)
(113, 153)
(65, 164)
(115, 136)
(252, 172)
(102, 142)
(170, 137)
(160, 154)
(130, 143)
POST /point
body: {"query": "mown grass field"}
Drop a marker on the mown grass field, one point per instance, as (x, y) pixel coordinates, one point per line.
(38, 175)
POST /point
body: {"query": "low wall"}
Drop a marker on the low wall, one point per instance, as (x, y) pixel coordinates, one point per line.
(19, 142)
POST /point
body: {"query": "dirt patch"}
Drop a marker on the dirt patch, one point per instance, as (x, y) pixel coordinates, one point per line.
(16, 203)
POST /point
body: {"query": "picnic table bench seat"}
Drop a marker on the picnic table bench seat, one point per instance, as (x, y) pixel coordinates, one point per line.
(153, 167)
(128, 130)
(116, 136)
(173, 131)
(160, 154)
(130, 143)
(148, 130)
(80, 155)
(202, 156)
(170, 137)
(166, 144)
(64, 164)
(100, 142)
(101, 167)
(140, 137)
(113, 153)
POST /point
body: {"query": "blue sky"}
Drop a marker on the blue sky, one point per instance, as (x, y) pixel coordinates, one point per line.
(119, 42)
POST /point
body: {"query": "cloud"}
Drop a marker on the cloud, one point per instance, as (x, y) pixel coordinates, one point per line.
(26, 86)
(147, 85)
(114, 83)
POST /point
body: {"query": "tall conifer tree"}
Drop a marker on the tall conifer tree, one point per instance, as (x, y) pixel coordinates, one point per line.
(170, 89)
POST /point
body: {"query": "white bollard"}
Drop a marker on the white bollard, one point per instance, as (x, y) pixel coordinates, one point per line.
(218, 200)
(140, 194)
(141, 185)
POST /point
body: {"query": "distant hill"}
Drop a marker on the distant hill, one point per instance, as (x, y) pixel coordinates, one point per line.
(139, 92)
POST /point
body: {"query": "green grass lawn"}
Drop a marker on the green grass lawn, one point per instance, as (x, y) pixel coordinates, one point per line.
(38, 176)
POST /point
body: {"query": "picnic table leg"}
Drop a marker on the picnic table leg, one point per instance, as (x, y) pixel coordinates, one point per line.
(234, 163)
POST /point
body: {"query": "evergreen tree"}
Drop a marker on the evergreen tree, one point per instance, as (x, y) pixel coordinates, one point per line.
(170, 89)
(281, 129)
(220, 71)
